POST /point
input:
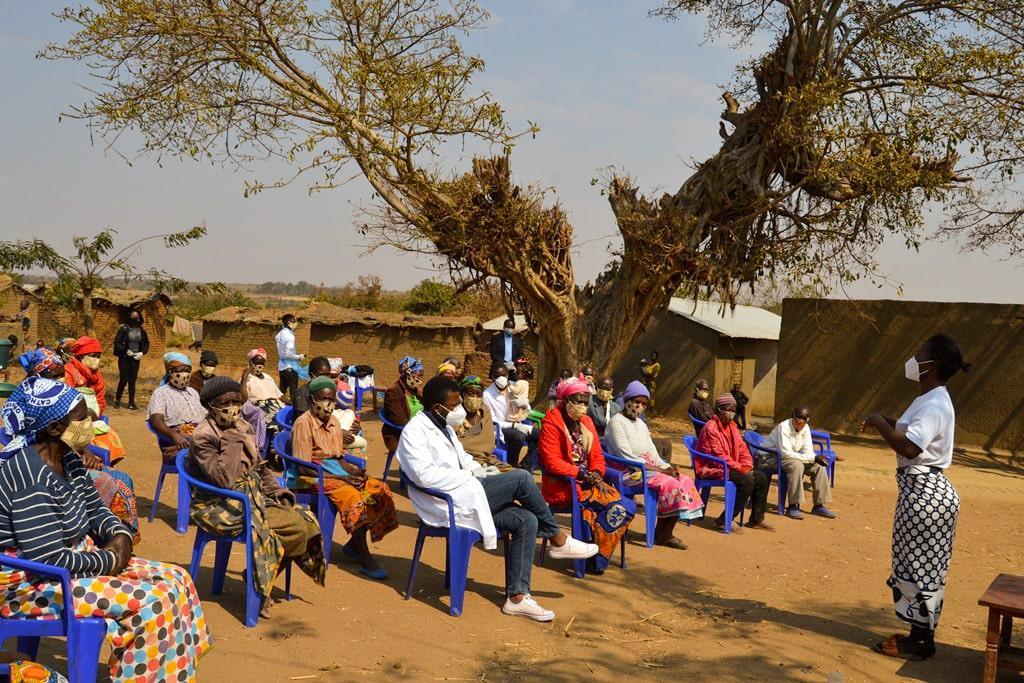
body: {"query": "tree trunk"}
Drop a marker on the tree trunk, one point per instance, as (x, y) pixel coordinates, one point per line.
(87, 321)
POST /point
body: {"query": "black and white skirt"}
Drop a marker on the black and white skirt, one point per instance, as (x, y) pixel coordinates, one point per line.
(922, 544)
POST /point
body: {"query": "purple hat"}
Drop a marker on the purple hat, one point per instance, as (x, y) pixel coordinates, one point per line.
(634, 389)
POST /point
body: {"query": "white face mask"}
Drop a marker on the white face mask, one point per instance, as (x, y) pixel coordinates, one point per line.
(456, 417)
(91, 362)
(501, 381)
(912, 369)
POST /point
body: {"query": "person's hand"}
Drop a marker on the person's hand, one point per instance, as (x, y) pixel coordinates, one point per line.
(356, 474)
(286, 498)
(348, 437)
(821, 460)
(670, 470)
(121, 546)
(180, 441)
(872, 421)
(594, 478)
(90, 461)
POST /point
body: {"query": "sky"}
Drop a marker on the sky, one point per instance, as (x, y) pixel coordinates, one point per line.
(609, 87)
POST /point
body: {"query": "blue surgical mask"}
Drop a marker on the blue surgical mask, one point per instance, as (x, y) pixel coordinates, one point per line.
(508, 333)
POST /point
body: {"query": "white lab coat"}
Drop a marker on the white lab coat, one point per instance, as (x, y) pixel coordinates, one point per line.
(432, 461)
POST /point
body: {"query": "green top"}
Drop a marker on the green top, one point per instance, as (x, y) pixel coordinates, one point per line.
(415, 405)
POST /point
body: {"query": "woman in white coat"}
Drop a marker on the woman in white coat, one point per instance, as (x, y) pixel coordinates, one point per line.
(485, 500)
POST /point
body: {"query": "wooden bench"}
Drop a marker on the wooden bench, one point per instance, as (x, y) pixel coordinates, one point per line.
(1005, 600)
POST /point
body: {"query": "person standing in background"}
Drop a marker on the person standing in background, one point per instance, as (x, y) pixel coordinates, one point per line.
(741, 405)
(650, 368)
(289, 358)
(131, 343)
(505, 347)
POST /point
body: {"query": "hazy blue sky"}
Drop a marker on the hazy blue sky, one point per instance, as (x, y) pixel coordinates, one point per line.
(608, 85)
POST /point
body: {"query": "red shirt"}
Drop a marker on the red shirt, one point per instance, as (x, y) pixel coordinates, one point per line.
(77, 375)
(722, 441)
(554, 450)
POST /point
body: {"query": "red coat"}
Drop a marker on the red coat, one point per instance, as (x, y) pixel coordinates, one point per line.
(722, 441)
(77, 375)
(555, 455)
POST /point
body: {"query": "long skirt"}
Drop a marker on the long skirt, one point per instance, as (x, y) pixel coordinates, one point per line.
(155, 623)
(370, 504)
(922, 544)
(677, 496)
(608, 516)
(117, 492)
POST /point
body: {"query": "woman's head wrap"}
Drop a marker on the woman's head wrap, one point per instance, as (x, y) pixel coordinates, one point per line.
(573, 385)
(445, 367)
(84, 346)
(175, 359)
(634, 389)
(36, 403)
(258, 353)
(408, 364)
(208, 358)
(321, 383)
(724, 400)
(470, 381)
(39, 361)
(218, 386)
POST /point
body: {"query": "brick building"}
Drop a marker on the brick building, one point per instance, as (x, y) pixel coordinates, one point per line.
(11, 313)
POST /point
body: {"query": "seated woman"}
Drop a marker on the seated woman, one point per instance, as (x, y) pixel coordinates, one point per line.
(402, 399)
(362, 503)
(519, 393)
(174, 408)
(627, 436)
(569, 447)
(82, 371)
(349, 421)
(224, 453)
(260, 389)
(477, 431)
(49, 512)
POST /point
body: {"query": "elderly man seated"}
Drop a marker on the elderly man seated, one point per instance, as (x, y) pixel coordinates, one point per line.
(430, 454)
(792, 439)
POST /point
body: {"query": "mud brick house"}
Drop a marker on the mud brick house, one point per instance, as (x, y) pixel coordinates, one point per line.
(11, 313)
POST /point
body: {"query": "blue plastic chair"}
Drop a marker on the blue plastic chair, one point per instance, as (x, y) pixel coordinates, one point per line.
(697, 423)
(580, 530)
(316, 500)
(285, 418)
(84, 636)
(223, 547)
(758, 445)
(705, 485)
(358, 393)
(184, 496)
(649, 496)
(391, 454)
(823, 443)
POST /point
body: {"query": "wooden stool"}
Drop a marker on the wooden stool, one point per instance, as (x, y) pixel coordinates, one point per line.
(1005, 600)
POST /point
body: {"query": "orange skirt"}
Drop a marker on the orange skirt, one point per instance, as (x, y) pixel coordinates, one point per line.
(371, 504)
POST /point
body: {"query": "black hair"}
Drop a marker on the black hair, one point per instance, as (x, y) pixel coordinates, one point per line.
(319, 363)
(567, 373)
(437, 389)
(946, 355)
(142, 318)
(13, 338)
(525, 370)
(287, 318)
(800, 411)
(654, 354)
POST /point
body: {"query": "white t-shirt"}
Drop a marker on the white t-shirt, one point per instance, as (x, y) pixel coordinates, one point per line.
(929, 423)
(497, 402)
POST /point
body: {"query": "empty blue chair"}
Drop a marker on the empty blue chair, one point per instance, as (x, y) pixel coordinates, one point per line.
(285, 418)
(759, 447)
(184, 497)
(697, 423)
(358, 393)
(580, 529)
(223, 546)
(642, 489)
(316, 500)
(823, 444)
(391, 454)
(84, 636)
(705, 485)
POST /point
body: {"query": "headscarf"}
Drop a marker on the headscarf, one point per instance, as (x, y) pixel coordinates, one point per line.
(208, 358)
(174, 359)
(39, 361)
(573, 385)
(217, 386)
(724, 400)
(470, 381)
(408, 364)
(84, 346)
(36, 403)
(321, 383)
(445, 367)
(634, 389)
(260, 352)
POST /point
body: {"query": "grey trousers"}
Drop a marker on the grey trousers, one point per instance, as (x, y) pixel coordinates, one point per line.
(795, 471)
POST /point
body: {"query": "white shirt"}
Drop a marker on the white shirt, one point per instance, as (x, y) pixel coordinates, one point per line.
(929, 422)
(497, 403)
(432, 461)
(791, 444)
(286, 353)
(631, 439)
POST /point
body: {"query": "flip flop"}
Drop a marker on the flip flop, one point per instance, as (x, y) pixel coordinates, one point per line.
(899, 647)
(674, 543)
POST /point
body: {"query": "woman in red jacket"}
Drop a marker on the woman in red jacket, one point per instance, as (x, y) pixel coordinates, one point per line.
(569, 447)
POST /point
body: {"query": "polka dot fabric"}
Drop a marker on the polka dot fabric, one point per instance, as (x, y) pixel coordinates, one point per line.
(922, 543)
(155, 623)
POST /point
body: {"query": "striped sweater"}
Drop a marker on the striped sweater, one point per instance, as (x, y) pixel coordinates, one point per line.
(45, 516)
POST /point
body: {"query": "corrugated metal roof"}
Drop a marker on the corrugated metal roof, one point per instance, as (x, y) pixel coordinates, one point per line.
(497, 324)
(743, 322)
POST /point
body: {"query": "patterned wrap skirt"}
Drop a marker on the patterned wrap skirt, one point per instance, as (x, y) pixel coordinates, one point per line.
(922, 543)
(677, 496)
(155, 623)
(370, 504)
(608, 515)
(117, 492)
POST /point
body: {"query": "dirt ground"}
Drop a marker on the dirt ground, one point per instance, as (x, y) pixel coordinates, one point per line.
(798, 604)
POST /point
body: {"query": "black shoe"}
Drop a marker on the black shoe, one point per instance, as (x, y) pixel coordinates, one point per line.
(132, 406)
(117, 404)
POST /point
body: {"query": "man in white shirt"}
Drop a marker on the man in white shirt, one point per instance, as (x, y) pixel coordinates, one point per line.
(514, 434)
(792, 439)
(288, 357)
(431, 456)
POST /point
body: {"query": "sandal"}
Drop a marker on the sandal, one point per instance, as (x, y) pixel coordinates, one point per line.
(901, 647)
(673, 543)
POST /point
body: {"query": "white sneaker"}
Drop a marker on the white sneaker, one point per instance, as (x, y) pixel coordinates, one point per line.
(573, 550)
(527, 607)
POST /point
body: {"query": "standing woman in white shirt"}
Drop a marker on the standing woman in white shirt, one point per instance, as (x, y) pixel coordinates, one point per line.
(926, 508)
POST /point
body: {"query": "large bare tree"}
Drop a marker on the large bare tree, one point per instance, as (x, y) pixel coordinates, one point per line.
(860, 114)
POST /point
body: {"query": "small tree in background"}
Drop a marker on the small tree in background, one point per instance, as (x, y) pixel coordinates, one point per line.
(81, 276)
(430, 297)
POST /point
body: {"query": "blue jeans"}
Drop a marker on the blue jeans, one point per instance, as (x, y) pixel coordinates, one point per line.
(526, 521)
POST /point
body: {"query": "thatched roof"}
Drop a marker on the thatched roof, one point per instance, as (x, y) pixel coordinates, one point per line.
(7, 282)
(328, 314)
(121, 297)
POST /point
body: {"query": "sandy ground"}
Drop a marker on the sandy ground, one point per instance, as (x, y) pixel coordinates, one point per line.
(796, 605)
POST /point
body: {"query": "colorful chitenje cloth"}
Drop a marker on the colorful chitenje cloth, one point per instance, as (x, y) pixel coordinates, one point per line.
(30, 672)
(608, 516)
(117, 491)
(155, 622)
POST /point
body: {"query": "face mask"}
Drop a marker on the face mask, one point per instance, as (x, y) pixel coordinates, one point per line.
(727, 415)
(208, 370)
(258, 369)
(501, 382)
(576, 410)
(456, 417)
(78, 435)
(634, 409)
(226, 416)
(604, 395)
(134, 322)
(323, 409)
(912, 369)
(703, 394)
(508, 333)
(91, 362)
(413, 381)
(473, 403)
(179, 380)
(292, 326)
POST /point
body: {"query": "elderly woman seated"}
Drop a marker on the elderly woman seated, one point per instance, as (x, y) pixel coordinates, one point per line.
(174, 408)
(224, 453)
(402, 399)
(627, 437)
(260, 389)
(50, 513)
(363, 503)
(477, 431)
(569, 447)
